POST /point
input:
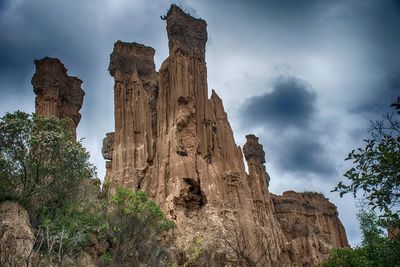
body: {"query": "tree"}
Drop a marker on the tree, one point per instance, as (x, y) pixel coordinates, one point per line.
(346, 257)
(43, 168)
(376, 170)
(135, 224)
(375, 249)
(39, 160)
(63, 235)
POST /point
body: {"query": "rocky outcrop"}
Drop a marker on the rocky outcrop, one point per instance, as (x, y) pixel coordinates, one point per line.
(174, 142)
(310, 224)
(16, 236)
(57, 94)
(393, 232)
(107, 151)
(135, 97)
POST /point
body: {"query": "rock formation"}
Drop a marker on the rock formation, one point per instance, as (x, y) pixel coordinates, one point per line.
(393, 232)
(135, 97)
(175, 143)
(57, 94)
(310, 224)
(16, 235)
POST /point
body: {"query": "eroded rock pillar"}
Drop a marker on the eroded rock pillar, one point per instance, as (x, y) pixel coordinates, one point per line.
(57, 94)
(135, 98)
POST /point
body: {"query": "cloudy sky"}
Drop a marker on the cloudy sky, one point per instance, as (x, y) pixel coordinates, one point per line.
(305, 76)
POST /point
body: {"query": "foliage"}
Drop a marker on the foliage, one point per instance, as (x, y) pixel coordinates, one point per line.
(44, 169)
(195, 252)
(65, 233)
(135, 224)
(376, 170)
(106, 258)
(127, 203)
(375, 250)
(380, 250)
(39, 159)
(347, 257)
(205, 253)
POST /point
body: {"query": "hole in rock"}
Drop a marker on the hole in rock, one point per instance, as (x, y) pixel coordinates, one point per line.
(191, 196)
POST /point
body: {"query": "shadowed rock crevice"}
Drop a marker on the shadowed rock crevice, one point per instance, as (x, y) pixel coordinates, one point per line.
(191, 196)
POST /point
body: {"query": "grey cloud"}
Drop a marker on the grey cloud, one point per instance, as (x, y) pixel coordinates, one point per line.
(304, 155)
(288, 114)
(393, 83)
(378, 101)
(291, 103)
(81, 34)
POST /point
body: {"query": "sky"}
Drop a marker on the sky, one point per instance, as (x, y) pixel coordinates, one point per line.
(305, 76)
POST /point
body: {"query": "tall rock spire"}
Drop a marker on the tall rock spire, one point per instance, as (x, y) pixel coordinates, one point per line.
(135, 98)
(255, 157)
(57, 94)
(174, 142)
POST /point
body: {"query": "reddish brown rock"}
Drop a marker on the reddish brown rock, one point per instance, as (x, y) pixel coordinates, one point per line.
(107, 151)
(135, 98)
(57, 94)
(16, 236)
(174, 142)
(311, 226)
(393, 232)
(255, 157)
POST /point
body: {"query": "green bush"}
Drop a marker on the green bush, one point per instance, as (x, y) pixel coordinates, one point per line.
(63, 234)
(127, 204)
(376, 167)
(347, 257)
(44, 169)
(136, 224)
(39, 159)
(375, 250)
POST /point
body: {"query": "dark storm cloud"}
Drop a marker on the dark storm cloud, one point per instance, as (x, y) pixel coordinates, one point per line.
(81, 34)
(394, 83)
(291, 103)
(305, 154)
(379, 101)
(288, 112)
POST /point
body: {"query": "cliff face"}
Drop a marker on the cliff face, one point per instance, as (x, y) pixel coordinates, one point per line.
(175, 143)
(310, 224)
(57, 94)
(16, 236)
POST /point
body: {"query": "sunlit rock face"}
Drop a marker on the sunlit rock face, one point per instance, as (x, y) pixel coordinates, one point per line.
(57, 94)
(310, 224)
(175, 142)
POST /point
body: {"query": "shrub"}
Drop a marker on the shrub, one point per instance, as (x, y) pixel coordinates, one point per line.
(375, 250)
(39, 159)
(43, 168)
(347, 257)
(65, 233)
(136, 224)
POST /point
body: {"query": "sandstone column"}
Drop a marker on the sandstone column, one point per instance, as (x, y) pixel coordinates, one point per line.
(57, 94)
(135, 97)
